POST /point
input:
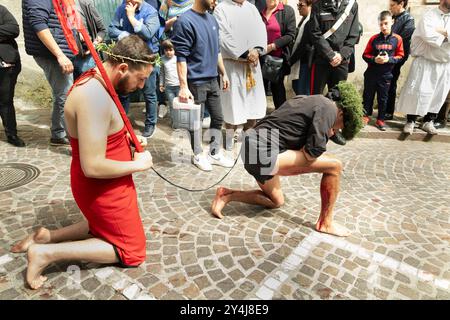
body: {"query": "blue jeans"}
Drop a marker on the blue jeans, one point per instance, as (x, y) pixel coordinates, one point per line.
(81, 65)
(301, 86)
(149, 92)
(171, 92)
(60, 84)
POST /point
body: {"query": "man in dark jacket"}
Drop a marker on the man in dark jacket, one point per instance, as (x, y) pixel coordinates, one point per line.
(97, 32)
(404, 27)
(332, 53)
(45, 41)
(9, 70)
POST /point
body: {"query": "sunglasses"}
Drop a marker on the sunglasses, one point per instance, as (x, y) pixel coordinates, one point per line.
(301, 5)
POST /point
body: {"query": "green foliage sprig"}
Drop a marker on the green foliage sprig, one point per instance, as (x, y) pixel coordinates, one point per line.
(352, 105)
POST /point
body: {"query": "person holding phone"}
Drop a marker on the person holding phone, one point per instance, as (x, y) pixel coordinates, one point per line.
(383, 51)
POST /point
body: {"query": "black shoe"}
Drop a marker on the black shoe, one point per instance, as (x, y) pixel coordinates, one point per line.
(338, 139)
(388, 116)
(149, 131)
(59, 141)
(16, 141)
(440, 124)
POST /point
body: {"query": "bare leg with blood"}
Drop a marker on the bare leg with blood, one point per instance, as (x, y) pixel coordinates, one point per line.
(270, 196)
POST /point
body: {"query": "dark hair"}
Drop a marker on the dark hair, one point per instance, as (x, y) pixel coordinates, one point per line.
(405, 2)
(384, 14)
(308, 2)
(133, 51)
(167, 45)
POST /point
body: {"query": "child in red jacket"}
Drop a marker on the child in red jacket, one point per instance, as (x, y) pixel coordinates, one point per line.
(383, 51)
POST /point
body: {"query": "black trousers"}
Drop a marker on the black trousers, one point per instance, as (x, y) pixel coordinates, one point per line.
(8, 80)
(390, 106)
(208, 96)
(378, 84)
(278, 93)
(325, 75)
(428, 117)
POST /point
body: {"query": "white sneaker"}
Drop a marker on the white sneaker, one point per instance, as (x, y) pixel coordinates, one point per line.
(162, 111)
(429, 127)
(144, 111)
(220, 159)
(206, 123)
(201, 162)
(409, 127)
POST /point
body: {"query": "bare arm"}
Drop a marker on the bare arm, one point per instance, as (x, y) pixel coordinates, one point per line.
(222, 72)
(92, 126)
(47, 39)
(184, 94)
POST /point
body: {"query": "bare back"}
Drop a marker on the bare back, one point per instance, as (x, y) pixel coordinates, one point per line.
(89, 99)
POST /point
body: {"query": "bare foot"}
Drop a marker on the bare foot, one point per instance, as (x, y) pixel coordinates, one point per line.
(334, 229)
(37, 261)
(219, 202)
(41, 235)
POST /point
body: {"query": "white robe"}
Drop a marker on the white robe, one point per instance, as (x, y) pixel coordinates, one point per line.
(428, 82)
(241, 29)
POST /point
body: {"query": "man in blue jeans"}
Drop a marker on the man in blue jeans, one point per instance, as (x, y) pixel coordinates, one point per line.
(45, 41)
(140, 18)
(196, 41)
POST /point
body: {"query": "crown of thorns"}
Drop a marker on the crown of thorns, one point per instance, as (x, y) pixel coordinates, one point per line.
(154, 60)
(349, 99)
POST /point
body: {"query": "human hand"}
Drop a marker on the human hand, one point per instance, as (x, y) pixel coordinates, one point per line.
(131, 9)
(162, 89)
(142, 140)
(442, 31)
(98, 40)
(225, 82)
(253, 57)
(271, 47)
(65, 64)
(337, 60)
(143, 160)
(185, 95)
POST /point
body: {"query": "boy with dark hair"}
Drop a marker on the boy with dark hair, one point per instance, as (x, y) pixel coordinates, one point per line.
(383, 51)
(168, 77)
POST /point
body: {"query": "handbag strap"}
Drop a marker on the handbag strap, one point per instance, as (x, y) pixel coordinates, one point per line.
(340, 21)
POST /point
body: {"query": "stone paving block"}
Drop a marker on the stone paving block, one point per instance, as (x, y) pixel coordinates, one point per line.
(216, 275)
(105, 292)
(203, 252)
(188, 258)
(408, 292)
(9, 294)
(227, 261)
(191, 292)
(213, 294)
(247, 263)
(307, 271)
(226, 285)
(90, 284)
(177, 280)
(193, 271)
(302, 281)
(173, 295)
(247, 286)
(159, 290)
(257, 276)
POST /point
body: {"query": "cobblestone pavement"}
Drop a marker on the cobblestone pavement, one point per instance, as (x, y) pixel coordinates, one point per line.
(394, 197)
